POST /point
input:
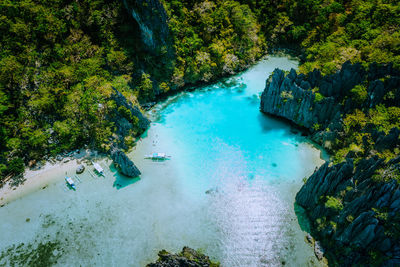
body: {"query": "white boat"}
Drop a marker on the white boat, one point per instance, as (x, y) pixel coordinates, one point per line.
(70, 182)
(98, 168)
(161, 156)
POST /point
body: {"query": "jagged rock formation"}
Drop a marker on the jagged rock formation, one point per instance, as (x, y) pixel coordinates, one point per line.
(318, 102)
(128, 119)
(80, 169)
(153, 23)
(155, 42)
(366, 222)
(188, 257)
(353, 206)
(124, 164)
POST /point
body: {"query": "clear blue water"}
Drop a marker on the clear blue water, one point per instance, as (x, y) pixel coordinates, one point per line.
(250, 164)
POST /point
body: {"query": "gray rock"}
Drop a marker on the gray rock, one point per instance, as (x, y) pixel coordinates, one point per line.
(318, 250)
(309, 238)
(80, 169)
(187, 258)
(367, 205)
(385, 245)
(301, 108)
(124, 122)
(152, 19)
(387, 141)
(365, 237)
(124, 164)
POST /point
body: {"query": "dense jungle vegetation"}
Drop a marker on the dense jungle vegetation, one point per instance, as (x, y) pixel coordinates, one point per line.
(58, 63)
(332, 32)
(60, 59)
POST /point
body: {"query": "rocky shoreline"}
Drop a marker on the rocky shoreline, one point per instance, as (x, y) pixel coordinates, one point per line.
(353, 206)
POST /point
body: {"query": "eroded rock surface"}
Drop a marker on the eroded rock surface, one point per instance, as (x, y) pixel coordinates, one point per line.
(353, 206)
(188, 257)
(124, 164)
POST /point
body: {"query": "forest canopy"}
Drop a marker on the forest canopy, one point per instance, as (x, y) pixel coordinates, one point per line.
(61, 59)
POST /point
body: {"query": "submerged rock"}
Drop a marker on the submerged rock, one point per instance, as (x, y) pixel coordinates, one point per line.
(124, 164)
(188, 257)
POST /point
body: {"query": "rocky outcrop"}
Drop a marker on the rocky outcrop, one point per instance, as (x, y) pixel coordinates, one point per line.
(124, 164)
(127, 118)
(155, 42)
(188, 257)
(317, 102)
(129, 121)
(291, 97)
(355, 211)
(80, 169)
(353, 206)
(152, 19)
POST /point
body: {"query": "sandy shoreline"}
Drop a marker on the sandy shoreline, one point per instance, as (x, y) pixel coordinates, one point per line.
(35, 180)
(48, 174)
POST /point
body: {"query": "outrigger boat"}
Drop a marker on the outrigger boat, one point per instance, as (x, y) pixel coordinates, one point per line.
(158, 156)
(70, 182)
(98, 168)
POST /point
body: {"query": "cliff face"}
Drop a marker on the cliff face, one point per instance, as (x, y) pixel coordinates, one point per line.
(154, 44)
(291, 97)
(127, 118)
(128, 121)
(319, 103)
(353, 214)
(152, 19)
(353, 206)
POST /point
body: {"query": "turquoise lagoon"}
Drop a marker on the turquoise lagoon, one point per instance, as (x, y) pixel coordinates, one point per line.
(250, 165)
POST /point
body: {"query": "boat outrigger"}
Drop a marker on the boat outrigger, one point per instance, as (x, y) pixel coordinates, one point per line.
(70, 182)
(157, 156)
(98, 168)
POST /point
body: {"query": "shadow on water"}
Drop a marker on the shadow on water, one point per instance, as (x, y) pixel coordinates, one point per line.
(302, 218)
(269, 123)
(122, 181)
(159, 160)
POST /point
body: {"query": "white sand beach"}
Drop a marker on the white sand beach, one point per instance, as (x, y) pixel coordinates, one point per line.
(48, 174)
(36, 180)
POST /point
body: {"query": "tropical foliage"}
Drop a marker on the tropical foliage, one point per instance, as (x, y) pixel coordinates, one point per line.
(332, 32)
(58, 63)
(60, 59)
(212, 38)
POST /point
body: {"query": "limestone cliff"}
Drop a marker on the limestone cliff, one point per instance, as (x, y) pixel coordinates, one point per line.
(129, 121)
(123, 163)
(353, 206)
(353, 214)
(318, 102)
(128, 118)
(152, 19)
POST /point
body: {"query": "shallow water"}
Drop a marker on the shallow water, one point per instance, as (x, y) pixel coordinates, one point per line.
(250, 165)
